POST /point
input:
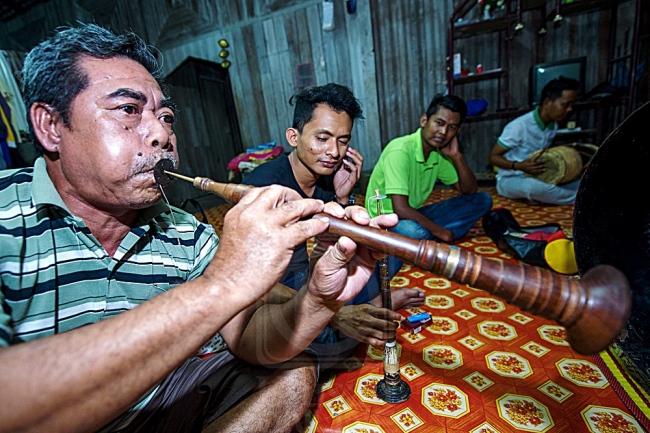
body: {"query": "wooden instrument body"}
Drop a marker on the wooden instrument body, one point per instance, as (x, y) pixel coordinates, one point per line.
(582, 306)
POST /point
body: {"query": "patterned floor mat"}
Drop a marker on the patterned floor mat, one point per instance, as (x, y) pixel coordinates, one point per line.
(481, 366)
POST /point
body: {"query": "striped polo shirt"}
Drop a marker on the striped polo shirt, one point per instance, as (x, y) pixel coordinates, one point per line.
(56, 276)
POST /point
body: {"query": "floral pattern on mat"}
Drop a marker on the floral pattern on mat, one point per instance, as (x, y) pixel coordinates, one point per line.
(450, 369)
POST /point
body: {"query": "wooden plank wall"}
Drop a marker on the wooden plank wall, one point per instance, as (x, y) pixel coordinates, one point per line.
(410, 42)
(265, 51)
(395, 46)
(391, 53)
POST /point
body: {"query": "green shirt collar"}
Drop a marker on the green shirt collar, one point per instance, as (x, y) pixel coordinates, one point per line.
(43, 190)
(419, 152)
(538, 120)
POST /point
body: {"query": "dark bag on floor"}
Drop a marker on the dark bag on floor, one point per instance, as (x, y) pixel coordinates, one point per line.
(504, 230)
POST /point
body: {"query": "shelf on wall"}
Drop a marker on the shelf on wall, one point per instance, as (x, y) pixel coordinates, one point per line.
(473, 28)
(502, 114)
(465, 29)
(511, 113)
(582, 6)
(600, 102)
(485, 75)
(597, 117)
(568, 133)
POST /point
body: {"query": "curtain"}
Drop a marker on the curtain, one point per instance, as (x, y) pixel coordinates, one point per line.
(11, 92)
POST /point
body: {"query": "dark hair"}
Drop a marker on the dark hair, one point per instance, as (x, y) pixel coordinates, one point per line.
(51, 73)
(554, 88)
(450, 102)
(337, 97)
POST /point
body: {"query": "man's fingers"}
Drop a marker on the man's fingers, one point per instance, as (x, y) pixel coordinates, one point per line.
(358, 214)
(285, 214)
(267, 191)
(275, 196)
(301, 209)
(385, 314)
(385, 221)
(342, 251)
(355, 155)
(306, 229)
(338, 255)
(334, 209)
(280, 203)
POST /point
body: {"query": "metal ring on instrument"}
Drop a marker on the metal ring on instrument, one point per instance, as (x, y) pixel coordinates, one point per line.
(452, 262)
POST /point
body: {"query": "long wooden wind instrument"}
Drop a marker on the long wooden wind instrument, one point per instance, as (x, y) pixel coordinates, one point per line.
(593, 309)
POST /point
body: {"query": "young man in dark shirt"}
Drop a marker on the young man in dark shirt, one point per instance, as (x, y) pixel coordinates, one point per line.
(323, 166)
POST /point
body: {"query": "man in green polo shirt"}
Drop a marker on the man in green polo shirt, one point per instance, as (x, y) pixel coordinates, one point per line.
(528, 133)
(409, 167)
(118, 312)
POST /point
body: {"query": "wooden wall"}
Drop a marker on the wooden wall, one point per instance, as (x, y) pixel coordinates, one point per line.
(265, 51)
(410, 40)
(391, 53)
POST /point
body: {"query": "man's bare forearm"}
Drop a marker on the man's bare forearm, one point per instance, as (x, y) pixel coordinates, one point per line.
(278, 332)
(466, 179)
(81, 379)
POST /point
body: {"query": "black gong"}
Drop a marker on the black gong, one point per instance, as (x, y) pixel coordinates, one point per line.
(611, 225)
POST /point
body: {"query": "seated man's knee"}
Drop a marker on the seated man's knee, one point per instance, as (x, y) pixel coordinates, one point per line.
(285, 395)
(296, 385)
(411, 229)
(303, 384)
(298, 395)
(484, 200)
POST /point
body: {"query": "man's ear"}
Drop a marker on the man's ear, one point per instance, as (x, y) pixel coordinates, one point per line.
(292, 135)
(46, 124)
(423, 120)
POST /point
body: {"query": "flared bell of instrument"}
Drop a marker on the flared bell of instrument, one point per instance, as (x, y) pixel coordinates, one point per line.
(612, 226)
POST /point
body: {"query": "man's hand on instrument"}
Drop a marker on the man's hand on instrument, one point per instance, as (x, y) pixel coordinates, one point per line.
(367, 323)
(531, 166)
(258, 238)
(446, 236)
(347, 175)
(340, 268)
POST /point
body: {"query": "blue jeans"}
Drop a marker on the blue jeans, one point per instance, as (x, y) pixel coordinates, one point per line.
(457, 214)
